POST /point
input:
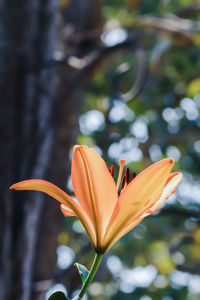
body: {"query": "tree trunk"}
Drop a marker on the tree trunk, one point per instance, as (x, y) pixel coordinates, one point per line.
(37, 131)
(27, 98)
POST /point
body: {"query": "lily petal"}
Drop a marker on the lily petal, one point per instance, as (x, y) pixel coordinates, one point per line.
(94, 187)
(46, 187)
(170, 187)
(121, 233)
(62, 197)
(140, 194)
(66, 211)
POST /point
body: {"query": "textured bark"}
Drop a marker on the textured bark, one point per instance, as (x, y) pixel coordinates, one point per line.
(84, 20)
(27, 39)
(67, 110)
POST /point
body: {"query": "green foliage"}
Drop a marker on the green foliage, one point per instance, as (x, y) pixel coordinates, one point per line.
(83, 271)
(58, 296)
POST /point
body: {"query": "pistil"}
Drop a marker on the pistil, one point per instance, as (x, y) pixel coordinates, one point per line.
(122, 163)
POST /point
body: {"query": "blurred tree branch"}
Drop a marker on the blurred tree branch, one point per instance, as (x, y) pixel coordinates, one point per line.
(181, 212)
(179, 29)
(188, 11)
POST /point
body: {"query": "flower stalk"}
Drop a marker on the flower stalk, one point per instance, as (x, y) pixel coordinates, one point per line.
(93, 270)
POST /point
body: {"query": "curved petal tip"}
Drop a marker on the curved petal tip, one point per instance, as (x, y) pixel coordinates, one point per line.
(15, 186)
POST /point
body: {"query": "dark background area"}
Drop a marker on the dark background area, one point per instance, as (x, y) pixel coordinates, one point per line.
(122, 77)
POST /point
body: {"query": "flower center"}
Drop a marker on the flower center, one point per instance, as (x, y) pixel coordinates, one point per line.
(126, 178)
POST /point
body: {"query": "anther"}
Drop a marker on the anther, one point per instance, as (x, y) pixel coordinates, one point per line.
(133, 176)
(111, 170)
(127, 175)
(123, 182)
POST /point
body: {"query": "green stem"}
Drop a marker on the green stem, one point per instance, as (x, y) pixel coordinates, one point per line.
(95, 265)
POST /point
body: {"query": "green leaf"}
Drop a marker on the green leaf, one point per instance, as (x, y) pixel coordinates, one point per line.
(58, 296)
(83, 271)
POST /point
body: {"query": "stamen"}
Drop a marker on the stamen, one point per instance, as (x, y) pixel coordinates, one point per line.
(111, 170)
(127, 175)
(122, 163)
(133, 176)
(123, 182)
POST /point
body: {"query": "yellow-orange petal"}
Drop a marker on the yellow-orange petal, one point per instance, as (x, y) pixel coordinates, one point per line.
(66, 211)
(55, 192)
(46, 187)
(94, 187)
(170, 187)
(139, 194)
(121, 233)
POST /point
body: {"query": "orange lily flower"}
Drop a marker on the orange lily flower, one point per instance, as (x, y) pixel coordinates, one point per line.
(105, 215)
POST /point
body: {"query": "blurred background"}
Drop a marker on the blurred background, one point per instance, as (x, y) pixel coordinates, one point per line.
(122, 77)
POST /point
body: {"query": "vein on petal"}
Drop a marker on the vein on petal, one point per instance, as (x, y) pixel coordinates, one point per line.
(93, 203)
